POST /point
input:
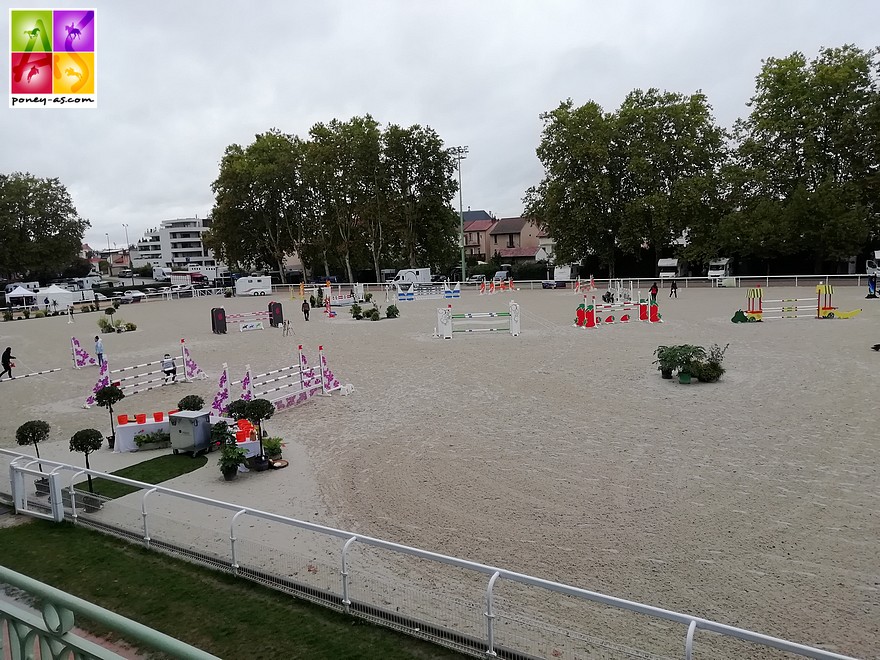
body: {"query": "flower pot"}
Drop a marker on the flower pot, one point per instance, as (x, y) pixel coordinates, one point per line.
(229, 475)
(111, 441)
(260, 463)
(666, 373)
(684, 378)
(158, 416)
(141, 419)
(122, 419)
(274, 457)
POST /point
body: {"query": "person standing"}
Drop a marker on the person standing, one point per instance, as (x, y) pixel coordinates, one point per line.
(169, 369)
(653, 291)
(673, 290)
(69, 314)
(306, 308)
(46, 305)
(6, 361)
(99, 350)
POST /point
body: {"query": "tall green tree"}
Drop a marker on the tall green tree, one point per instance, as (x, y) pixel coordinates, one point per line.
(807, 157)
(580, 199)
(41, 229)
(258, 196)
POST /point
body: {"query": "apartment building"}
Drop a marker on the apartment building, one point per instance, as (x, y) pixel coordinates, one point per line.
(177, 244)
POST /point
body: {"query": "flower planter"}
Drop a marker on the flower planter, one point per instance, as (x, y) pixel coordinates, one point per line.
(153, 445)
(259, 464)
(666, 374)
(229, 475)
(684, 378)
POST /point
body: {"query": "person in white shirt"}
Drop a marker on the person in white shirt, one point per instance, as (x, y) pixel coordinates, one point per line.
(169, 369)
(99, 350)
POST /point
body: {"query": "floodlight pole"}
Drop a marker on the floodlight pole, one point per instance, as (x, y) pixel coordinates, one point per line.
(460, 153)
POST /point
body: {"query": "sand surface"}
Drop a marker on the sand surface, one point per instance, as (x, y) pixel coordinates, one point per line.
(561, 453)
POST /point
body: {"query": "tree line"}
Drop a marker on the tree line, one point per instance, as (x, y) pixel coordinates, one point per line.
(351, 195)
(798, 177)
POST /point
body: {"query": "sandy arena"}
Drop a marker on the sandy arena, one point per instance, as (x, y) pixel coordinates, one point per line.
(561, 453)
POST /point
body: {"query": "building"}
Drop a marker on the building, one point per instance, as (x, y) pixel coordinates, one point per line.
(476, 233)
(177, 244)
(516, 240)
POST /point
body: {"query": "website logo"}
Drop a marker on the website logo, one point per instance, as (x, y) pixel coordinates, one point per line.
(52, 58)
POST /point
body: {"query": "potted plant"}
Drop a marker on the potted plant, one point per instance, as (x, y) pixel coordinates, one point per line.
(256, 412)
(356, 311)
(154, 440)
(87, 441)
(106, 397)
(272, 447)
(391, 312)
(191, 402)
(231, 458)
(666, 361)
(33, 433)
(688, 357)
(711, 370)
(220, 434)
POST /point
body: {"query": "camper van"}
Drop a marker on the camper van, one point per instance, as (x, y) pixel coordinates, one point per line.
(418, 275)
(249, 285)
(669, 269)
(719, 268)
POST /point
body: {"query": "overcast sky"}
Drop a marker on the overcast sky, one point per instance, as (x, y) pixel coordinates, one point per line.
(179, 81)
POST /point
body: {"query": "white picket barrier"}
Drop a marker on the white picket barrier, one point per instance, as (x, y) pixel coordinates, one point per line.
(147, 380)
(446, 321)
(421, 291)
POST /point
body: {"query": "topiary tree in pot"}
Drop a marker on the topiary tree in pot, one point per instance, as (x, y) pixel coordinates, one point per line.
(107, 397)
(87, 441)
(256, 412)
(33, 433)
(191, 402)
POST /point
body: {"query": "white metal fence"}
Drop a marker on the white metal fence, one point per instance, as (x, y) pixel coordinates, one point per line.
(478, 609)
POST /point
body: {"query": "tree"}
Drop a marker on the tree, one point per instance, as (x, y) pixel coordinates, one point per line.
(807, 160)
(191, 402)
(33, 433)
(40, 226)
(579, 201)
(87, 441)
(107, 397)
(257, 196)
(255, 411)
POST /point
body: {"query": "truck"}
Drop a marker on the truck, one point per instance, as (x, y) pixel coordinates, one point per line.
(248, 285)
(415, 275)
(669, 269)
(188, 278)
(719, 268)
(161, 274)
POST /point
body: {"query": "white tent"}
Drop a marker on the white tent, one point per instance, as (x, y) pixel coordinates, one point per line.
(56, 294)
(20, 292)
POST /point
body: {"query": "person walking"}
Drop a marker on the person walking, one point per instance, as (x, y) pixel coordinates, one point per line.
(69, 314)
(99, 350)
(653, 291)
(306, 308)
(6, 361)
(673, 290)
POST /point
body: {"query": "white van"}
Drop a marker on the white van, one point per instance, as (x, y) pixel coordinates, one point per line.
(668, 269)
(719, 268)
(162, 274)
(253, 286)
(872, 266)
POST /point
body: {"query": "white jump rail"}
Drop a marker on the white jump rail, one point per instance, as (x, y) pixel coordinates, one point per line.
(20, 466)
(446, 321)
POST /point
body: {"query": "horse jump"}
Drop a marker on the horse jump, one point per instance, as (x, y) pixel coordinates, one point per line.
(492, 288)
(298, 383)
(446, 321)
(820, 307)
(133, 384)
(594, 314)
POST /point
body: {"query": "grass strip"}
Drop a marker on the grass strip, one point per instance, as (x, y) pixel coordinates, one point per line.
(153, 471)
(219, 613)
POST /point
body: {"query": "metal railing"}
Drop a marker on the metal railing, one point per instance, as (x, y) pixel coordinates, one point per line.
(466, 639)
(53, 630)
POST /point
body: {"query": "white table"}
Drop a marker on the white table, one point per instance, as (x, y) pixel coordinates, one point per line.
(125, 433)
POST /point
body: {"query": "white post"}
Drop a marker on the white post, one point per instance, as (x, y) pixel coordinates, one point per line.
(513, 308)
(444, 322)
(183, 359)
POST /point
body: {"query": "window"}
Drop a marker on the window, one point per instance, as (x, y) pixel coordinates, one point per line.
(496, 239)
(510, 241)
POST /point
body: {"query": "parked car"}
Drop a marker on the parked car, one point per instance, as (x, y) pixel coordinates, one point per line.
(439, 278)
(134, 295)
(125, 273)
(474, 280)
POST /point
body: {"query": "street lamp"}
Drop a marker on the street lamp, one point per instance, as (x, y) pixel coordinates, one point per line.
(109, 257)
(460, 153)
(130, 267)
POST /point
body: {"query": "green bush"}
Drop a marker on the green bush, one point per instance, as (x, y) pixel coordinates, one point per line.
(707, 372)
(191, 402)
(368, 297)
(130, 327)
(374, 314)
(27, 313)
(356, 311)
(105, 325)
(392, 312)
(313, 302)
(7, 315)
(39, 314)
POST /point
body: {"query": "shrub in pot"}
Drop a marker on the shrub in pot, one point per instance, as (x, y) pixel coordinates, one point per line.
(231, 458)
(272, 447)
(191, 402)
(106, 397)
(87, 441)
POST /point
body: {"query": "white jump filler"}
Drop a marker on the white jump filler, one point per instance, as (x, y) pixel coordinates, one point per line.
(446, 321)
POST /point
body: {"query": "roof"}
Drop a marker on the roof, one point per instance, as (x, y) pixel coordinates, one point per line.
(667, 263)
(544, 234)
(469, 216)
(521, 252)
(21, 292)
(509, 226)
(479, 225)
